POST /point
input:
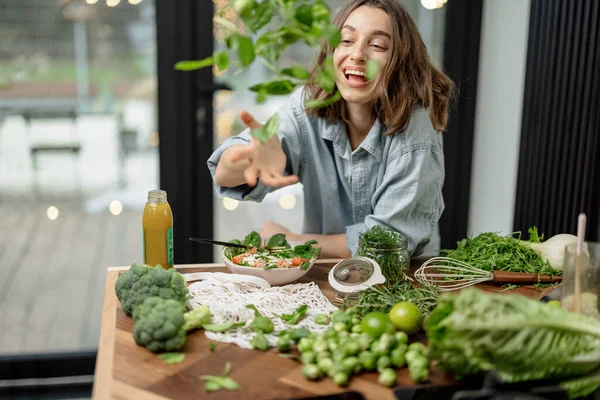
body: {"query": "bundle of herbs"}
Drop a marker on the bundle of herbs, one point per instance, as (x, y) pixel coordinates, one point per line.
(389, 249)
(490, 251)
(382, 298)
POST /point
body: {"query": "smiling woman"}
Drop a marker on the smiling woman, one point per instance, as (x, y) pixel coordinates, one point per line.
(375, 157)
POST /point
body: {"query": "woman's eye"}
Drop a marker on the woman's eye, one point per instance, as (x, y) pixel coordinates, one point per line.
(378, 46)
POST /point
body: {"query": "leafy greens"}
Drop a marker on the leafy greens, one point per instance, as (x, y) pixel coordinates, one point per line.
(522, 339)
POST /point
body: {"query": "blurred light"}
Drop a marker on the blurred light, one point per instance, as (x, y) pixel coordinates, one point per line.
(52, 213)
(112, 3)
(115, 207)
(287, 201)
(433, 4)
(224, 125)
(230, 204)
(154, 140)
(134, 2)
(91, 1)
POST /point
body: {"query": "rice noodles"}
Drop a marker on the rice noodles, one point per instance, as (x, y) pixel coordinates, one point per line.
(227, 297)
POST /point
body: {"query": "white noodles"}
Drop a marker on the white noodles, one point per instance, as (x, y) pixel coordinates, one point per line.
(227, 299)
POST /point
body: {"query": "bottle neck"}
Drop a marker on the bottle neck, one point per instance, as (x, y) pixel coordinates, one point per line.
(157, 196)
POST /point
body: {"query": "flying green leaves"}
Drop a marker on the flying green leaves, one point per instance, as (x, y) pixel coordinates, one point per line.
(215, 383)
(172, 357)
(372, 69)
(264, 133)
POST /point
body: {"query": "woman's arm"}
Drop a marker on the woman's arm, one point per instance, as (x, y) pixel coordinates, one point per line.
(332, 246)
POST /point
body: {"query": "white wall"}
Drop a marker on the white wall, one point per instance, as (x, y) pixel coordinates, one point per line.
(500, 89)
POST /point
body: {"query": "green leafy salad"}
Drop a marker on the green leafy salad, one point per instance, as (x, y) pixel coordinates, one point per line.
(285, 256)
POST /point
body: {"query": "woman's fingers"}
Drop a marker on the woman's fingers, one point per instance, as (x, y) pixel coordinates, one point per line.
(241, 154)
(251, 175)
(278, 180)
(249, 120)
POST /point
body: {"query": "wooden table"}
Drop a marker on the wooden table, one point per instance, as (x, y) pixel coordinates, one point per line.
(125, 370)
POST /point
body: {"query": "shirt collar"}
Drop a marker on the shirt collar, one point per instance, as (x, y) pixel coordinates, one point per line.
(373, 143)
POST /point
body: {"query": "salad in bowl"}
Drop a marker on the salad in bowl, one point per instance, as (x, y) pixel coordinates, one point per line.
(278, 261)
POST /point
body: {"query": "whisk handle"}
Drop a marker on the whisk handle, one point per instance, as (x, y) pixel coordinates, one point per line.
(522, 277)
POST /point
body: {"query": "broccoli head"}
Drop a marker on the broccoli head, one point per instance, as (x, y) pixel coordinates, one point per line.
(161, 324)
(142, 281)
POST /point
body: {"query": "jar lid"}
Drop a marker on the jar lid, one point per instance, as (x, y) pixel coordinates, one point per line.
(355, 274)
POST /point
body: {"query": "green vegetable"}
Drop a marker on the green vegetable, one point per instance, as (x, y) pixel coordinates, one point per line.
(582, 386)
(305, 344)
(161, 324)
(383, 245)
(341, 316)
(398, 358)
(142, 281)
(261, 323)
(322, 319)
(352, 348)
(521, 339)
(172, 358)
(401, 338)
(325, 365)
(309, 357)
(311, 372)
(387, 377)
(252, 239)
(214, 383)
(418, 348)
(340, 327)
(353, 364)
(284, 342)
(341, 378)
(490, 251)
(296, 316)
(508, 286)
(418, 375)
(224, 327)
(212, 346)
(383, 362)
(297, 333)
(382, 298)
(368, 360)
(260, 342)
(278, 240)
(411, 355)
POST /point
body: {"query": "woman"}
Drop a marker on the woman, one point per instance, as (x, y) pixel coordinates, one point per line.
(374, 157)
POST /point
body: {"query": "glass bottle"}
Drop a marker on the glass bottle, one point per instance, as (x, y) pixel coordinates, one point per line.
(157, 224)
(394, 260)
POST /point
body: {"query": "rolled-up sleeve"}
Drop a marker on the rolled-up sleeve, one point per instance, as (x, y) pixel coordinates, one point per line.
(289, 135)
(409, 199)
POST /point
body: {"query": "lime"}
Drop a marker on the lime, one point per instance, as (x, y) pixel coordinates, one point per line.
(374, 324)
(406, 317)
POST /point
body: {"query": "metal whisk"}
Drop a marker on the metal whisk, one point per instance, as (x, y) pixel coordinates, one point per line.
(451, 277)
(451, 274)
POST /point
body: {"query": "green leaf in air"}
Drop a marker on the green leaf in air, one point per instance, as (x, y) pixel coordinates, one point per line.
(372, 69)
(269, 130)
(296, 71)
(221, 60)
(324, 102)
(281, 87)
(244, 48)
(191, 65)
(172, 358)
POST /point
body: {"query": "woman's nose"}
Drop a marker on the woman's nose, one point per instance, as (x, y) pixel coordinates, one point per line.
(358, 53)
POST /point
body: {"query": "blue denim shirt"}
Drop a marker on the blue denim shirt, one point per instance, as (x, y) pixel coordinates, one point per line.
(392, 180)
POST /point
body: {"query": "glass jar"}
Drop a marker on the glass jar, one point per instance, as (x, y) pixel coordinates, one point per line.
(157, 230)
(393, 256)
(580, 287)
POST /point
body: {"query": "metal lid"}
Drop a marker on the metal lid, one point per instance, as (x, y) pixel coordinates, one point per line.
(355, 274)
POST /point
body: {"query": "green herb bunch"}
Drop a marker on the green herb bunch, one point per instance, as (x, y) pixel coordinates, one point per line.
(388, 249)
(269, 27)
(490, 251)
(382, 298)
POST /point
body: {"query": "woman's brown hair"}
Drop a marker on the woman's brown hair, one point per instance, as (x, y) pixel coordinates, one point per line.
(408, 79)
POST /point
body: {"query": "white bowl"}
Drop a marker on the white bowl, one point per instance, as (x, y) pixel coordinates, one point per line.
(275, 276)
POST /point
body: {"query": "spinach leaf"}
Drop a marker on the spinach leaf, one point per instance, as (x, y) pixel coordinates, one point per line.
(296, 316)
(172, 358)
(261, 323)
(214, 383)
(306, 250)
(298, 333)
(260, 342)
(278, 240)
(252, 239)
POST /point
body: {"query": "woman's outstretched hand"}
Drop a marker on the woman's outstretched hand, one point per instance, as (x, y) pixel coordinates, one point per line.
(266, 161)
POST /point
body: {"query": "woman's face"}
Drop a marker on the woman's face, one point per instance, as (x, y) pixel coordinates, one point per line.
(366, 35)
